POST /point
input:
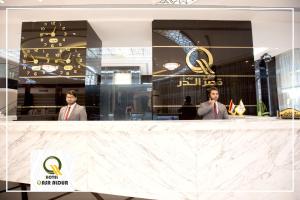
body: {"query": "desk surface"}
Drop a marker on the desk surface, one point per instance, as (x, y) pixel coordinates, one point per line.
(167, 159)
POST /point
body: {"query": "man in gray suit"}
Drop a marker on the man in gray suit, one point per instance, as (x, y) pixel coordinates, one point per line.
(212, 109)
(73, 111)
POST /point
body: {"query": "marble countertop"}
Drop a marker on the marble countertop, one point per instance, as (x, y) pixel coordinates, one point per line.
(249, 158)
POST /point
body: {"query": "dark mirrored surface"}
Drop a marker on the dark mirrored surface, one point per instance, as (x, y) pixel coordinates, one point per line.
(190, 56)
(57, 56)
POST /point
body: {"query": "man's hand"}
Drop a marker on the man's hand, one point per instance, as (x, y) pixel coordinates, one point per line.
(212, 102)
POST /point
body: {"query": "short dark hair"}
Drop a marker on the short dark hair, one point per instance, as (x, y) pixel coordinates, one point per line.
(212, 88)
(72, 92)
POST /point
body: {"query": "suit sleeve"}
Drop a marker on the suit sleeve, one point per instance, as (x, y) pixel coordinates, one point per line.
(83, 115)
(203, 109)
(225, 114)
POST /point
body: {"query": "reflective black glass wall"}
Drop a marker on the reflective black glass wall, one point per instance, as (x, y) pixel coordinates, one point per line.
(57, 56)
(190, 56)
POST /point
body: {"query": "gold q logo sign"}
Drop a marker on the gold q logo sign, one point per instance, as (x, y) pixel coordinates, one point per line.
(204, 66)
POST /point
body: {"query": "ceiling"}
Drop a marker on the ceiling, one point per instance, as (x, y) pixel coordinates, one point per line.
(132, 27)
(128, 24)
(227, 3)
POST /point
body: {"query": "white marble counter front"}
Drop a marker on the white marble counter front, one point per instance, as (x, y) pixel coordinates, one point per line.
(231, 159)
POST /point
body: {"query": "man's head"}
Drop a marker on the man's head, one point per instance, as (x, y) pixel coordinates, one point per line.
(188, 99)
(213, 93)
(71, 97)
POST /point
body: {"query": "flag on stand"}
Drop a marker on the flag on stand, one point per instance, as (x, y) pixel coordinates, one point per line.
(231, 107)
(240, 109)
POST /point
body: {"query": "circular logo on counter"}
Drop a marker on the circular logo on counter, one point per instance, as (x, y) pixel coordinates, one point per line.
(52, 165)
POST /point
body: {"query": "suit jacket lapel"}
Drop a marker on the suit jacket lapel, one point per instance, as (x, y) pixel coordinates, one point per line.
(219, 109)
(72, 114)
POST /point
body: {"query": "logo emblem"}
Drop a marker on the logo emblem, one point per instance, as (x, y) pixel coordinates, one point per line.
(203, 65)
(52, 165)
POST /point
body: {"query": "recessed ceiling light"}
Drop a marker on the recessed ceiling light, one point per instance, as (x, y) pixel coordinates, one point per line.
(2, 1)
(171, 66)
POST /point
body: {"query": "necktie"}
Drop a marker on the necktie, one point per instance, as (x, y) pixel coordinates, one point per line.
(215, 111)
(67, 114)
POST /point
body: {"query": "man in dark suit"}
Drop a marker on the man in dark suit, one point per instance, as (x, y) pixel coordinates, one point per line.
(212, 109)
(73, 111)
(188, 111)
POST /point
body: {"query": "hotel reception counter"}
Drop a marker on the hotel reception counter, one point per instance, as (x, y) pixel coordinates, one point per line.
(249, 159)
